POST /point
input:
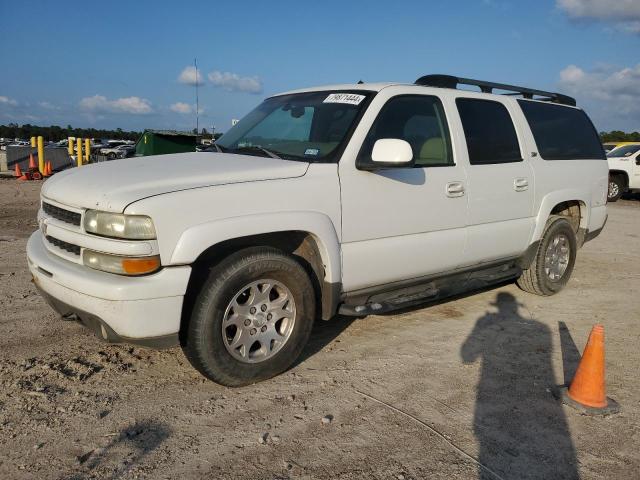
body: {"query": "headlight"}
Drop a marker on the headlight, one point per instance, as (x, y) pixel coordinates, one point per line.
(131, 227)
(120, 265)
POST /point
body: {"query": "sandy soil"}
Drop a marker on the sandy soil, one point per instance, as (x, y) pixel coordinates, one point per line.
(454, 391)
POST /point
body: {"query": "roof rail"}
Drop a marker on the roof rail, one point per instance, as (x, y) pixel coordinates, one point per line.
(449, 81)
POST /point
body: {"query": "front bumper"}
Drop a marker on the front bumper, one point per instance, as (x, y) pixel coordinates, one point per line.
(143, 310)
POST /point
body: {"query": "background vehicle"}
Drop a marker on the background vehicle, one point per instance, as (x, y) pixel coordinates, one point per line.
(356, 199)
(120, 151)
(608, 146)
(624, 170)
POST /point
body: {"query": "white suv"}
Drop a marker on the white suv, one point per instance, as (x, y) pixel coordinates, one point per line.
(356, 199)
(624, 171)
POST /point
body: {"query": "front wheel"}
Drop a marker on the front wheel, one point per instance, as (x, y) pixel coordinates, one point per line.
(553, 264)
(252, 317)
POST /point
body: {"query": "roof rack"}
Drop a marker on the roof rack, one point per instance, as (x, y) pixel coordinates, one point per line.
(449, 81)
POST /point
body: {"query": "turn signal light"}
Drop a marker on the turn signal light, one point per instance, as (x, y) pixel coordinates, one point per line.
(119, 264)
(140, 266)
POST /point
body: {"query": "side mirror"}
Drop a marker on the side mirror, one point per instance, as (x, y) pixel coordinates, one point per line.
(389, 153)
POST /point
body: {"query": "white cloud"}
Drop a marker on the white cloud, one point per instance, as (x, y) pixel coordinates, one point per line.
(233, 82)
(48, 105)
(8, 101)
(190, 76)
(612, 94)
(181, 107)
(185, 108)
(624, 14)
(601, 9)
(571, 74)
(133, 105)
(630, 27)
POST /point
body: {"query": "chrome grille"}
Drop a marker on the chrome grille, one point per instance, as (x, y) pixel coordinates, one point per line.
(61, 214)
(66, 246)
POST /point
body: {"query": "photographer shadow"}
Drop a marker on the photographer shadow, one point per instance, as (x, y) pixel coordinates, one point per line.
(521, 429)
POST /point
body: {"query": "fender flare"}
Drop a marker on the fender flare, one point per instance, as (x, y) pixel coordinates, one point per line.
(555, 198)
(199, 238)
(624, 173)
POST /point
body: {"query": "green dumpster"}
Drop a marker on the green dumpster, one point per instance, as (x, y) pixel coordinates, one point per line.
(161, 142)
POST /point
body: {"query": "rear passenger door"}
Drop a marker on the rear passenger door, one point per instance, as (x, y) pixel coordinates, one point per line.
(500, 182)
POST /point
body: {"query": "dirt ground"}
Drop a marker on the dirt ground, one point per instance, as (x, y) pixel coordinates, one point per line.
(451, 391)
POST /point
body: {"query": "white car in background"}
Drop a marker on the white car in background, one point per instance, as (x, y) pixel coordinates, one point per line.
(624, 171)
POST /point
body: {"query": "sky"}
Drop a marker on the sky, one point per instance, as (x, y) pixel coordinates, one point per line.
(128, 64)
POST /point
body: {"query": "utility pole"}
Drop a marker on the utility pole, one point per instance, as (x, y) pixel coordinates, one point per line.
(195, 65)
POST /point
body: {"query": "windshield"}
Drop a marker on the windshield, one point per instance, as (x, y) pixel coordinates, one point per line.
(310, 126)
(624, 151)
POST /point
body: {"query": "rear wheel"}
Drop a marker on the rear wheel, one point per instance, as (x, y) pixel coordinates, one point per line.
(252, 317)
(616, 188)
(553, 264)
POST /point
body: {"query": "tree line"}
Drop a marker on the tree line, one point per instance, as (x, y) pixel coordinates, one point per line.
(55, 133)
(619, 136)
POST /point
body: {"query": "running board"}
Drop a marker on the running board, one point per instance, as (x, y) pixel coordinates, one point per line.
(436, 289)
(396, 303)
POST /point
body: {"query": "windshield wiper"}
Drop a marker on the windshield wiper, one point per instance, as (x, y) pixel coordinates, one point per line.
(258, 148)
(218, 148)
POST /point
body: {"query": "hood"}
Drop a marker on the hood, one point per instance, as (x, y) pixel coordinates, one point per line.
(113, 185)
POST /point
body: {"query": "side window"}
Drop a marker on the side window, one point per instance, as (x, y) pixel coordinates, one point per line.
(418, 119)
(562, 133)
(489, 131)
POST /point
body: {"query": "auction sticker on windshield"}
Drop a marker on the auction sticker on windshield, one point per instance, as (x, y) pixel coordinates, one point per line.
(350, 98)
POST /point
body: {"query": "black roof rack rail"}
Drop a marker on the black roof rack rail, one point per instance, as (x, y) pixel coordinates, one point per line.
(449, 81)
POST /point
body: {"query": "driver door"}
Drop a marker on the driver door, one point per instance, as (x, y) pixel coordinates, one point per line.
(402, 223)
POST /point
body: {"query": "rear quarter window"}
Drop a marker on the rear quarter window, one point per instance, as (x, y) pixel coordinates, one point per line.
(562, 133)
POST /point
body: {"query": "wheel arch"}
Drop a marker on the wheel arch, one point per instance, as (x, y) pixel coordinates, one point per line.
(570, 205)
(309, 236)
(621, 173)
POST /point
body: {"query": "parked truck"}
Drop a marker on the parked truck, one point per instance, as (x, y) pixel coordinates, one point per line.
(624, 170)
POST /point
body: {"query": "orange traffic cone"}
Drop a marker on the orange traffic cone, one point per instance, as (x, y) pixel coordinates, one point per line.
(32, 163)
(18, 171)
(47, 169)
(587, 391)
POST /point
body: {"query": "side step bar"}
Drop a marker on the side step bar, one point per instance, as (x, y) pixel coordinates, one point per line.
(438, 289)
(376, 308)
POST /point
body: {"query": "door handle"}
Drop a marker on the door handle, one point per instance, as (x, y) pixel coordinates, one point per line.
(520, 184)
(455, 189)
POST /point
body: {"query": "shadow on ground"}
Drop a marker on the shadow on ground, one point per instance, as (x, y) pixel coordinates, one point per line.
(521, 429)
(323, 333)
(125, 451)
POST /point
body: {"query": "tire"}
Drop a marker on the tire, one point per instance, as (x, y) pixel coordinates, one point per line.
(111, 156)
(538, 279)
(616, 188)
(235, 284)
